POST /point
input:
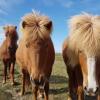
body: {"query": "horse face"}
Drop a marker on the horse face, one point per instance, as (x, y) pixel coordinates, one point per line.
(11, 36)
(88, 66)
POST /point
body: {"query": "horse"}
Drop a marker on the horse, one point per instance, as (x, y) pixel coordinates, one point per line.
(83, 49)
(35, 54)
(75, 76)
(7, 51)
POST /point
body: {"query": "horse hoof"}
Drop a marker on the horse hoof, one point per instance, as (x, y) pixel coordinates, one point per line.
(13, 83)
(20, 94)
(69, 98)
(4, 82)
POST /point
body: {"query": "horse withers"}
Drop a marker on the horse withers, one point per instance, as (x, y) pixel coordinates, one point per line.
(35, 54)
(8, 50)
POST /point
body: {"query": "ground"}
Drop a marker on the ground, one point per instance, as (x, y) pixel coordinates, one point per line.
(58, 83)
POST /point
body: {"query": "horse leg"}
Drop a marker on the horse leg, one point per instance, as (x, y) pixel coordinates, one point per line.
(79, 79)
(23, 83)
(46, 88)
(12, 72)
(72, 84)
(98, 98)
(5, 71)
(35, 90)
(80, 93)
(9, 64)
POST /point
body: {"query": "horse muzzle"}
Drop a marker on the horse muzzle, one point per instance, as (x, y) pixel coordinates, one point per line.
(41, 87)
(90, 91)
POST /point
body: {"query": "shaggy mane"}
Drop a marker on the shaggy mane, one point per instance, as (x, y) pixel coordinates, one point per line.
(84, 35)
(35, 25)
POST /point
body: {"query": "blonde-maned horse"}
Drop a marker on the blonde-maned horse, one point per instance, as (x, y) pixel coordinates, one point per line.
(35, 54)
(84, 48)
(8, 50)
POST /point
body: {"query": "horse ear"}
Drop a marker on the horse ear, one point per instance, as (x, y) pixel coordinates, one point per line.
(24, 24)
(4, 27)
(15, 27)
(49, 25)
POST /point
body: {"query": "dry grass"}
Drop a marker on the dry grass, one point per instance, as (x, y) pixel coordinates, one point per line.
(58, 84)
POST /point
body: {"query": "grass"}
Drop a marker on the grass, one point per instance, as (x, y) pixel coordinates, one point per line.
(58, 83)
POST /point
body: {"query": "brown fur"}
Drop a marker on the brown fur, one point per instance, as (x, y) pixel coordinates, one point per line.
(8, 49)
(83, 42)
(75, 76)
(35, 53)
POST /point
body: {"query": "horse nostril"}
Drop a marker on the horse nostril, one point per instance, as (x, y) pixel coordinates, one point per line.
(97, 90)
(85, 88)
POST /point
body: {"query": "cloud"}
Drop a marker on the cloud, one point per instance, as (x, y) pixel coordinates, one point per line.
(6, 5)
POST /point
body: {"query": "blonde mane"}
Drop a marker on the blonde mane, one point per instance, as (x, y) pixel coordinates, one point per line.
(84, 35)
(33, 25)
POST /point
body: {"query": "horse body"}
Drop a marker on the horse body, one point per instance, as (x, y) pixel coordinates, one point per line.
(35, 54)
(83, 49)
(7, 51)
(27, 58)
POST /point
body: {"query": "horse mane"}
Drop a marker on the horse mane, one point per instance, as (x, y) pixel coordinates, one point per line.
(34, 25)
(85, 34)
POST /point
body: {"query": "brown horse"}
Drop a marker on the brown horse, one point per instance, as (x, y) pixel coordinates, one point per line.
(75, 76)
(35, 53)
(84, 49)
(7, 51)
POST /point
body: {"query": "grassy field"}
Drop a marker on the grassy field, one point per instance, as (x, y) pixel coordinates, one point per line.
(58, 84)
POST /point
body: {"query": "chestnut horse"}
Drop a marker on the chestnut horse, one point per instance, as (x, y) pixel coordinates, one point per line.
(75, 76)
(84, 49)
(35, 54)
(7, 51)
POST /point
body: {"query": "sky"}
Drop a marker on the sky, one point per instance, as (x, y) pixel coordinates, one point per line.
(59, 11)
